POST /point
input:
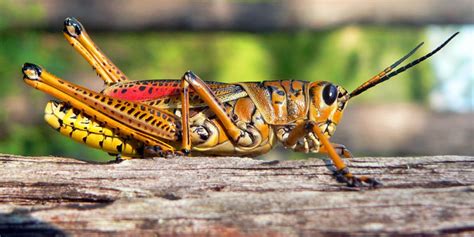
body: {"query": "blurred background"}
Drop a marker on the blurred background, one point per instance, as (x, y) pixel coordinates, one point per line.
(427, 110)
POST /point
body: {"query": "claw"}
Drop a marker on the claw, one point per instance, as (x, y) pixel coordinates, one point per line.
(343, 176)
(156, 151)
(354, 182)
(342, 179)
(31, 71)
(186, 152)
(373, 183)
(118, 159)
(359, 182)
(72, 27)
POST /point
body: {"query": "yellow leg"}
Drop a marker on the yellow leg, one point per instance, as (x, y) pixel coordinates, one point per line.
(81, 128)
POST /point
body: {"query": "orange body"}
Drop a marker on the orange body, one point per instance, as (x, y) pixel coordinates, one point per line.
(270, 110)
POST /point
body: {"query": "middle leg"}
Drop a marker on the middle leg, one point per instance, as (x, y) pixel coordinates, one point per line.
(244, 137)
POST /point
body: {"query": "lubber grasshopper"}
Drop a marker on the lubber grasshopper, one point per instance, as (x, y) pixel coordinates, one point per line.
(193, 117)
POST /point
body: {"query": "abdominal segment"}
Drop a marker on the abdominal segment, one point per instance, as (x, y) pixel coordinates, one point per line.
(81, 128)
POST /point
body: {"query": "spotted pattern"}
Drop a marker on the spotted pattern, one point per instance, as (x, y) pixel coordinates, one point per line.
(280, 102)
(82, 128)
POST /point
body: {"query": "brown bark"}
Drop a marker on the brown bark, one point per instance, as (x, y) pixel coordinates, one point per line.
(234, 197)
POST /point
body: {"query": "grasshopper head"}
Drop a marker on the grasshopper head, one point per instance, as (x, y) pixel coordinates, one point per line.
(326, 104)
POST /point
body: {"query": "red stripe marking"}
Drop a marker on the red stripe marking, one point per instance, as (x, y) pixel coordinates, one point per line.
(142, 92)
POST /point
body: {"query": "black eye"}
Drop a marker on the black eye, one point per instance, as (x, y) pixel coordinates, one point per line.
(329, 94)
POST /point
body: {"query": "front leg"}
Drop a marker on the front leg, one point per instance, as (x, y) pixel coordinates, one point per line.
(342, 173)
(301, 130)
(340, 149)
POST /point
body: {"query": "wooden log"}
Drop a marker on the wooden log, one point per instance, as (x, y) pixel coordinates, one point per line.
(234, 197)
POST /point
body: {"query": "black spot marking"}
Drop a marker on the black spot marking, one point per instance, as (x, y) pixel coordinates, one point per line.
(119, 148)
(124, 91)
(142, 88)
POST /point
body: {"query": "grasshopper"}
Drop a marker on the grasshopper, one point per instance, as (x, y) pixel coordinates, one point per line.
(189, 116)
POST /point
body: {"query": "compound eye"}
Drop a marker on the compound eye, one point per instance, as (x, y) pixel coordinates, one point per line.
(329, 94)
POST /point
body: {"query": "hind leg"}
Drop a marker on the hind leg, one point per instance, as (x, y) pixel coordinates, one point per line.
(157, 129)
(77, 36)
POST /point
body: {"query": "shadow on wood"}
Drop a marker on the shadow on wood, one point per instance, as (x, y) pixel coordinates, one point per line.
(235, 197)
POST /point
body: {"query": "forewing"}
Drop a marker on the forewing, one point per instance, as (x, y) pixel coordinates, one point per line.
(166, 93)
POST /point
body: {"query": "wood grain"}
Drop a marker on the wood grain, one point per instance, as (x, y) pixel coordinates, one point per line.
(234, 197)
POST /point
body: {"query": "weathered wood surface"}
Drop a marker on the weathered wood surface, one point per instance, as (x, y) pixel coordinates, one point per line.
(234, 197)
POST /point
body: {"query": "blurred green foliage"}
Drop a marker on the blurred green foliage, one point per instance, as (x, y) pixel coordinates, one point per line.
(346, 56)
(12, 15)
